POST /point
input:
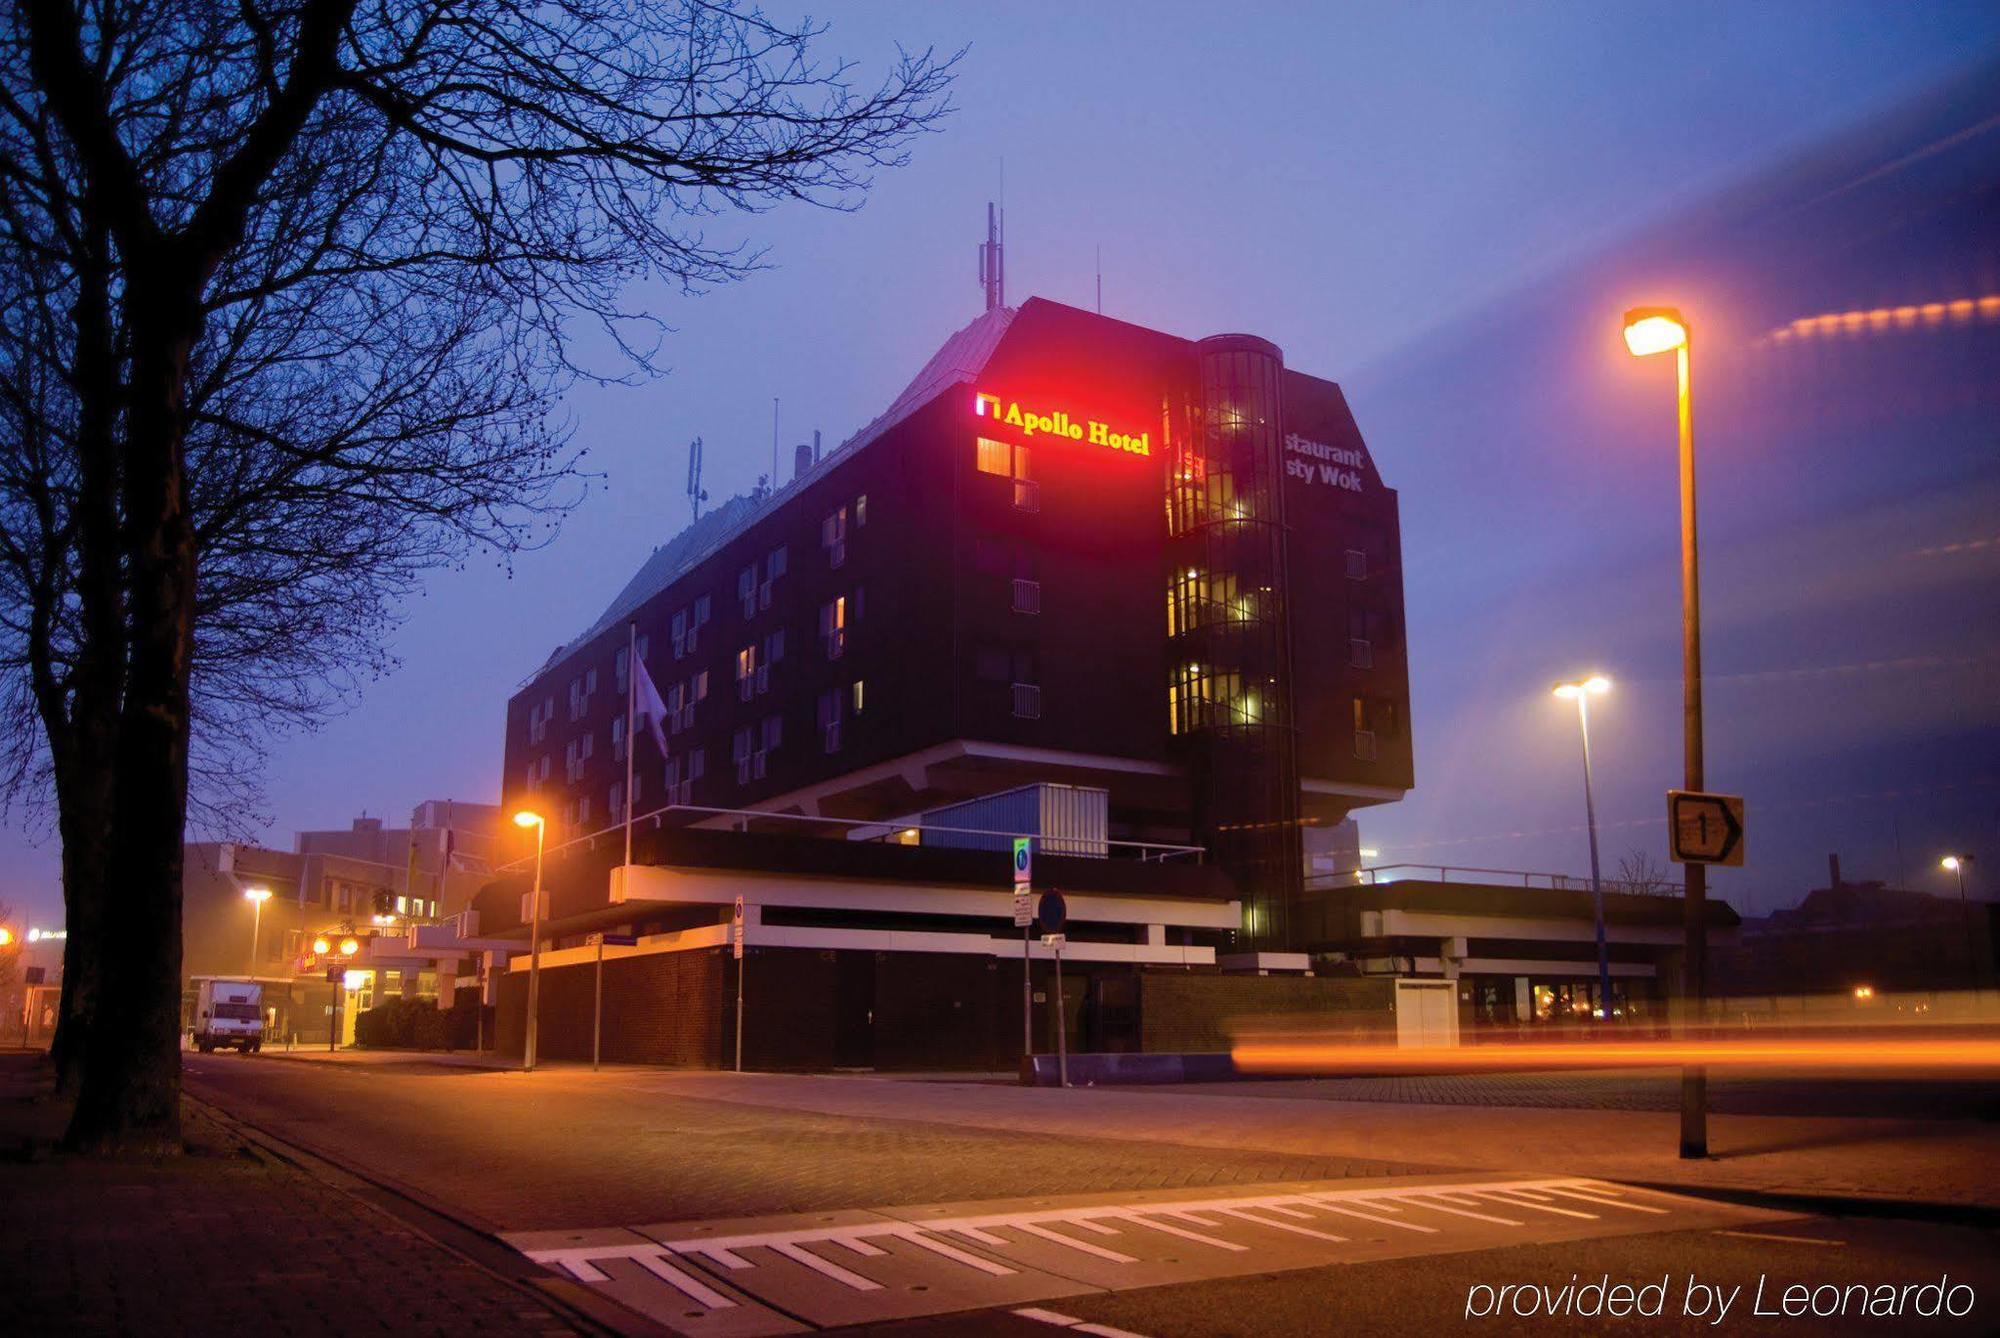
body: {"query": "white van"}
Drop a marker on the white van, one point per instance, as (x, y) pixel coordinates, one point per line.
(229, 1013)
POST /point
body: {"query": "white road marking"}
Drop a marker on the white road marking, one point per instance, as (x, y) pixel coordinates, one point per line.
(1004, 1233)
(952, 1252)
(1034, 1229)
(1380, 1221)
(832, 1270)
(1604, 1202)
(1789, 1240)
(1428, 1202)
(1184, 1233)
(1073, 1324)
(1504, 1197)
(1244, 1215)
(699, 1293)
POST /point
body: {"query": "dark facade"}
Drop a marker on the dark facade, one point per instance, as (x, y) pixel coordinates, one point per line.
(1073, 550)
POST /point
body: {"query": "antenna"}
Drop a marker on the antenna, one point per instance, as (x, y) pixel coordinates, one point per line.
(1100, 280)
(695, 495)
(774, 441)
(993, 258)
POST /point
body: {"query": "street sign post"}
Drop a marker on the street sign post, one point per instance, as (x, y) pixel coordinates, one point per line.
(1705, 828)
(597, 1005)
(1053, 912)
(736, 951)
(1024, 916)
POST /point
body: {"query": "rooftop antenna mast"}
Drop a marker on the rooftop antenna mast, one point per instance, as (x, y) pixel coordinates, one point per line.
(1100, 280)
(993, 258)
(774, 443)
(695, 494)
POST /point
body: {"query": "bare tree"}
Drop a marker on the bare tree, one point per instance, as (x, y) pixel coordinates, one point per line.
(315, 272)
(1640, 873)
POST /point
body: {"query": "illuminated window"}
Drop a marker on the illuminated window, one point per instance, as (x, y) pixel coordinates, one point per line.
(833, 627)
(860, 696)
(861, 510)
(996, 457)
(746, 673)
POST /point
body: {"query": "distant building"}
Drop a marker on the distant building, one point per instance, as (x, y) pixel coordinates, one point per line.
(369, 881)
(1864, 935)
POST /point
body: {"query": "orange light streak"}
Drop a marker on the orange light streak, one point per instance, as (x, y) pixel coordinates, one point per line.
(1819, 1054)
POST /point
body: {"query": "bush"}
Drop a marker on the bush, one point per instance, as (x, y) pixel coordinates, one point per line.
(416, 1024)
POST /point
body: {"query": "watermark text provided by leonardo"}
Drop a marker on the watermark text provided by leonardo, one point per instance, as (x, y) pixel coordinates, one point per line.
(1716, 1302)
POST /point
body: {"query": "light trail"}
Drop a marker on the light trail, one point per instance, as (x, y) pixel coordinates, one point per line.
(1957, 1056)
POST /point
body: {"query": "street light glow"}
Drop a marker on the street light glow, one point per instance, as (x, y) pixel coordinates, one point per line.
(527, 818)
(257, 894)
(6, 937)
(321, 947)
(1952, 863)
(1596, 685)
(1651, 330)
(348, 947)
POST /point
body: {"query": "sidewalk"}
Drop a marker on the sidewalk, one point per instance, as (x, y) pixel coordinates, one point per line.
(226, 1239)
(1954, 1162)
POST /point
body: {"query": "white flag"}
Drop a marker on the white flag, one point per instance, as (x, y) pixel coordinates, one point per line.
(647, 708)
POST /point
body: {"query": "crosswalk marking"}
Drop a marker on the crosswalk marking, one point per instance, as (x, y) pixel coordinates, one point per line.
(1184, 1233)
(1036, 1229)
(1244, 1214)
(1532, 1206)
(760, 1279)
(818, 1265)
(1431, 1203)
(1608, 1202)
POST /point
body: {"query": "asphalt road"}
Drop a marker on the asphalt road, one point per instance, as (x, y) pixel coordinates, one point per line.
(568, 1149)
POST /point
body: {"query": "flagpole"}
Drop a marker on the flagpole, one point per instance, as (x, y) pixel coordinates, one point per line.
(631, 742)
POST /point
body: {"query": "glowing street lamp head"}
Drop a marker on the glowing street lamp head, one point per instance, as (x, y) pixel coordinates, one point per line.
(321, 947)
(349, 946)
(1954, 863)
(527, 818)
(6, 937)
(259, 894)
(1596, 685)
(1654, 330)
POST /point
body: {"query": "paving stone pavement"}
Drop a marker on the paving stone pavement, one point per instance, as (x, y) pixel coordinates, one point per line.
(1654, 1090)
(635, 1153)
(223, 1240)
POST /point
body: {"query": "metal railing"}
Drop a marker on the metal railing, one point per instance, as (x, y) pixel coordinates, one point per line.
(1145, 851)
(1385, 874)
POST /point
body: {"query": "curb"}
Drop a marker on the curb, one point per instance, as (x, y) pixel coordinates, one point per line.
(568, 1301)
(1982, 1216)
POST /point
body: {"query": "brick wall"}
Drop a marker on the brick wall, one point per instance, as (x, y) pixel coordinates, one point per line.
(662, 1008)
(1186, 1013)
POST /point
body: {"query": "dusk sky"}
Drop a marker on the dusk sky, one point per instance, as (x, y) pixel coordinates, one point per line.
(1346, 181)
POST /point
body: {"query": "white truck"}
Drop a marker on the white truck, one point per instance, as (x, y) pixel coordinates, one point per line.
(229, 1013)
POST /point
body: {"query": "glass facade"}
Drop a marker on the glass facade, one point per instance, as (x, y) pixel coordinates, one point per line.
(1229, 690)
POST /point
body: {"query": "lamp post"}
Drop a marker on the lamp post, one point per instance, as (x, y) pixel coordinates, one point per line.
(527, 819)
(1956, 864)
(256, 896)
(1582, 691)
(1650, 330)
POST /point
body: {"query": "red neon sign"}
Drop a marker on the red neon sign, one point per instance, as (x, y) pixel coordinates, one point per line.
(1058, 423)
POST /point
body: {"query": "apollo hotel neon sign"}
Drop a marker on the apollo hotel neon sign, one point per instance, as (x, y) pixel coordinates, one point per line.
(1059, 423)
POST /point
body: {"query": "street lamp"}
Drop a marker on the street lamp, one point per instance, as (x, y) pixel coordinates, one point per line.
(1581, 692)
(1956, 864)
(256, 896)
(321, 947)
(527, 819)
(1650, 330)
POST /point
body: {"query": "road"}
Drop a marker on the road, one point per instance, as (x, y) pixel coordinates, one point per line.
(737, 1206)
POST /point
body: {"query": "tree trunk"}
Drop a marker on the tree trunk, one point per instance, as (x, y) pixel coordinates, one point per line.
(129, 1100)
(87, 721)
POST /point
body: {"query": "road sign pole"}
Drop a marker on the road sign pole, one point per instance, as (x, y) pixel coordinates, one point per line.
(736, 947)
(1027, 997)
(1062, 1039)
(1694, 990)
(597, 1008)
